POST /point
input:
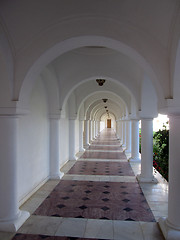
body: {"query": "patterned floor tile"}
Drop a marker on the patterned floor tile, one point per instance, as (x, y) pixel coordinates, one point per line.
(112, 148)
(102, 168)
(97, 200)
(104, 155)
(20, 236)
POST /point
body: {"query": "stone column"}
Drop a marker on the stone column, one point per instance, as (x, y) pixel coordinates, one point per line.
(99, 126)
(90, 131)
(124, 133)
(121, 131)
(11, 218)
(117, 129)
(72, 137)
(55, 172)
(93, 129)
(135, 141)
(146, 151)
(171, 226)
(86, 131)
(81, 137)
(128, 136)
(96, 128)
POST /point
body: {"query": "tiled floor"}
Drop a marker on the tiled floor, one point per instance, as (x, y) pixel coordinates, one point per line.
(97, 200)
(20, 236)
(94, 190)
(104, 155)
(102, 168)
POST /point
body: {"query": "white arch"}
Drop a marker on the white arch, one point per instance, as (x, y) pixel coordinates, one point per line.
(77, 42)
(51, 89)
(96, 96)
(112, 107)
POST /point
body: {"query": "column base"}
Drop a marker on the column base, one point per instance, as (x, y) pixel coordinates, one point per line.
(134, 159)
(127, 151)
(146, 180)
(57, 176)
(86, 145)
(73, 158)
(169, 232)
(81, 150)
(14, 225)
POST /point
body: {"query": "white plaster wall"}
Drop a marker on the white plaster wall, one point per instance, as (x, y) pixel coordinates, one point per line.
(33, 158)
(64, 141)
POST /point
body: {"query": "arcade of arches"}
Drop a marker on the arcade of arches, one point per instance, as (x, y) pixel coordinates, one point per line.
(52, 107)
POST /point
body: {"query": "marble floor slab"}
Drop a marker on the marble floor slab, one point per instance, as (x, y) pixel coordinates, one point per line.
(97, 200)
(101, 168)
(102, 155)
(99, 147)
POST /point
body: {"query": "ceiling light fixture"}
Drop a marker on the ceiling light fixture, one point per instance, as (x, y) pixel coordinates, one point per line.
(100, 81)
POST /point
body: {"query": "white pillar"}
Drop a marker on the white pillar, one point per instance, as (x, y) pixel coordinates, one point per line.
(55, 172)
(90, 131)
(11, 218)
(86, 131)
(81, 137)
(121, 131)
(135, 141)
(97, 128)
(146, 151)
(94, 129)
(171, 226)
(72, 137)
(124, 133)
(128, 136)
(118, 129)
(93, 136)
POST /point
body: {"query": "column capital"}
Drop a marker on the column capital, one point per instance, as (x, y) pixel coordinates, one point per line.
(72, 118)
(82, 119)
(54, 116)
(147, 119)
(135, 119)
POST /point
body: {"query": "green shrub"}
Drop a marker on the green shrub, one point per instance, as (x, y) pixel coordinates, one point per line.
(161, 151)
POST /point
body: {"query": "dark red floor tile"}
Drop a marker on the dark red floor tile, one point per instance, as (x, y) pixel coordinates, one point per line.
(97, 200)
(104, 155)
(20, 236)
(112, 148)
(102, 168)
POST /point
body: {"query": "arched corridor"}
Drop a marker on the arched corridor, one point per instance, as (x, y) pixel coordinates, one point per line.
(98, 198)
(70, 71)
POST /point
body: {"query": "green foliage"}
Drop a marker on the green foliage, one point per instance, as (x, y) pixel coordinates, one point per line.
(161, 151)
